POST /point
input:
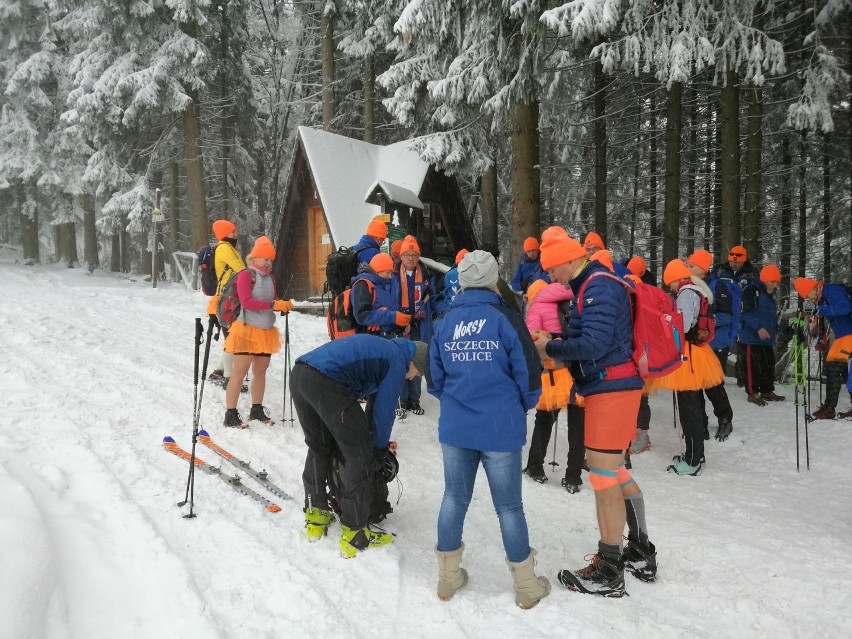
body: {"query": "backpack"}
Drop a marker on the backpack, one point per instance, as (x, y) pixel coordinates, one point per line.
(340, 267)
(704, 329)
(206, 256)
(228, 308)
(657, 327)
(340, 320)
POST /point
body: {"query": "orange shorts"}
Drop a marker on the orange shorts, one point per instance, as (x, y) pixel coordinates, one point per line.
(611, 419)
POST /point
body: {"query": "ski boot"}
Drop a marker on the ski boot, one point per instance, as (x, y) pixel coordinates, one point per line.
(352, 540)
(640, 560)
(233, 419)
(724, 430)
(603, 576)
(317, 521)
(536, 474)
(261, 414)
(641, 443)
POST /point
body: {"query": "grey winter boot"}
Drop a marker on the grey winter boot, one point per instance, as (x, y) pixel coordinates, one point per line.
(450, 576)
(529, 589)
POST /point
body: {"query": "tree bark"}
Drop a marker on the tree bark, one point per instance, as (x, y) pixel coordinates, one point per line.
(174, 216)
(90, 233)
(826, 208)
(526, 186)
(369, 97)
(600, 149)
(753, 186)
(29, 229)
(126, 246)
(195, 172)
(717, 191)
(803, 218)
(654, 240)
(115, 253)
(730, 161)
(709, 178)
(635, 207)
(692, 160)
(489, 206)
(786, 213)
(327, 31)
(69, 241)
(671, 207)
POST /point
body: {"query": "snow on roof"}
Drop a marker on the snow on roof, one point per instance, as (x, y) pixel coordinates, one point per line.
(344, 169)
(394, 193)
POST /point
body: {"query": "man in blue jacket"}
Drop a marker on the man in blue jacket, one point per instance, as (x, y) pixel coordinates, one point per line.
(758, 329)
(529, 268)
(371, 242)
(326, 384)
(598, 349)
(727, 281)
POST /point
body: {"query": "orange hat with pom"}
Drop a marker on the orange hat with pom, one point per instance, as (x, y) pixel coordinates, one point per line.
(531, 244)
(804, 285)
(702, 258)
(737, 253)
(461, 255)
(637, 265)
(535, 288)
(560, 249)
(675, 271)
(409, 244)
(381, 262)
(770, 273)
(377, 229)
(263, 248)
(223, 228)
(593, 239)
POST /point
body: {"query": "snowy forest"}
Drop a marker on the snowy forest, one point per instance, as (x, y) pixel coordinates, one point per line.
(665, 125)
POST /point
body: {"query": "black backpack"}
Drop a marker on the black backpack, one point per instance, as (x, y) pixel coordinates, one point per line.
(206, 256)
(340, 267)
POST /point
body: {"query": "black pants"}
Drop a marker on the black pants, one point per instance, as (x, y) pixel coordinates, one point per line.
(835, 375)
(540, 440)
(334, 425)
(722, 355)
(643, 418)
(718, 397)
(759, 362)
(690, 405)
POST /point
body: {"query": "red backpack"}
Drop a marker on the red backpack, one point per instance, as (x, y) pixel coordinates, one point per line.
(704, 329)
(657, 329)
(340, 320)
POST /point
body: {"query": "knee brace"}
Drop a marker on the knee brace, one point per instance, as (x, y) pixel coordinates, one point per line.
(601, 478)
(624, 476)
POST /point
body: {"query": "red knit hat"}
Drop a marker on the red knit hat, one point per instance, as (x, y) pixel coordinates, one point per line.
(675, 271)
(593, 239)
(409, 244)
(377, 229)
(738, 253)
(263, 248)
(804, 285)
(531, 244)
(770, 273)
(702, 258)
(559, 250)
(637, 265)
(223, 228)
(460, 255)
(381, 262)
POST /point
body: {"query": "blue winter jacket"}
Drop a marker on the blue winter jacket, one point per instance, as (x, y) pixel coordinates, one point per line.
(526, 272)
(727, 306)
(600, 336)
(368, 312)
(759, 311)
(450, 290)
(370, 247)
(835, 305)
(367, 364)
(485, 370)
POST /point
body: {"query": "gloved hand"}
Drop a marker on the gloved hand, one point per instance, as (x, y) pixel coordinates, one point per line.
(402, 319)
(282, 306)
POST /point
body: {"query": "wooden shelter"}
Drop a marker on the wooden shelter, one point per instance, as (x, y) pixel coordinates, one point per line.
(338, 184)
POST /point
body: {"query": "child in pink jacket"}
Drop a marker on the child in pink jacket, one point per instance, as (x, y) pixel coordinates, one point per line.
(545, 304)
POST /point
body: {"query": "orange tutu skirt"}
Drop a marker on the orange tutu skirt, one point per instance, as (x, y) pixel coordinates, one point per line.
(699, 370)
(244, 338)
(556, 385)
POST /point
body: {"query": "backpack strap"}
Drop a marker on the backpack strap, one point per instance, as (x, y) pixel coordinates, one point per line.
(581, 293)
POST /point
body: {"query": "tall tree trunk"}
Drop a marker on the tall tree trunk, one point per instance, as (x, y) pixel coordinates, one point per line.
(115, 253)
(849, 138)
(717, 192)
(174, 217)
(753, 188)
(327, 31)
(195, 172)
(90, 233)
(709, 179)
(526, 186)
(730, 162)
(671, 207)
(489, 205)
(29, 228)
(826, 208)
(600, 149)
(652, 200)
(369, 97)
(69, 240)
(803, 201)
(635, 207)
(786, 213)
(692, 161)
(126, 247)
(224, 90)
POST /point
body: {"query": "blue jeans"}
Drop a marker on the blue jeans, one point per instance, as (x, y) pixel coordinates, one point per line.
(503, 471)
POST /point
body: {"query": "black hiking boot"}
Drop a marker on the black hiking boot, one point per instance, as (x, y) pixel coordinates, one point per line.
(570, 486)
(640, 560)
(724, 430)
(756, 399)
(772, 397)
(536, 473)
(261, 414)
(233, 419)
(415, 409)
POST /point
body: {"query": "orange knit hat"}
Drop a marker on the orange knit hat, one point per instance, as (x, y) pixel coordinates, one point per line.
(460, 255)
(535, 288)
(675, 271)
(770, 273)
(223, 228)
(531, 244)
(633, 278)
(395, 246)
(381, 262)
(737, 253)
(593, 239)
(553, 231)
(263, 248)
(377, 229)
(804, 285)
(559, 250)
(409, 244)
(702, 258)
(604, 257)
(637, 265)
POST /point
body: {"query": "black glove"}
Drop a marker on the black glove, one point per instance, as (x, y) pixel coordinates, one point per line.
(387, 463)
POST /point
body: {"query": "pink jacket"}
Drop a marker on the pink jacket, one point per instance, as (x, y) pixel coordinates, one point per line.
(542, 312)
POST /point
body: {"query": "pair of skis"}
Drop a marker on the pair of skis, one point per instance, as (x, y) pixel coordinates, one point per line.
(233, 481)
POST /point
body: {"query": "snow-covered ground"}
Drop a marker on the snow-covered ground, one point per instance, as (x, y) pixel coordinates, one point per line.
(96, 369)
